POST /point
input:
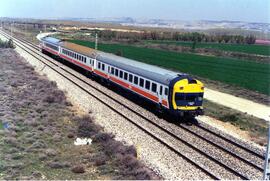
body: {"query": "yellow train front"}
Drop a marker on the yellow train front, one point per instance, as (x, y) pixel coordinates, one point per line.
(186, 97)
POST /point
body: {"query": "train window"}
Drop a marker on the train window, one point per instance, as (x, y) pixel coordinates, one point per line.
(130, 78)
(125, 76)
(154, 87)
(116, 72)
(109, 68)
(160, 90)
(136, 80)
(147, 84)
(99, 65)
(85, 59)
(166, 91)
(121, 74)
(103, 66)
(112, 70)
(141, 82)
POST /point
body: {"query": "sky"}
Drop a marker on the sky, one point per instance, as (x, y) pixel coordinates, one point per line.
(233, 10)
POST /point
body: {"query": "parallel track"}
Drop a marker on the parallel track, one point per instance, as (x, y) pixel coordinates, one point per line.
(24, 47)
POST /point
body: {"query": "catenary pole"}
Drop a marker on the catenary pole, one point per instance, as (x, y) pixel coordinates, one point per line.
(266, 174)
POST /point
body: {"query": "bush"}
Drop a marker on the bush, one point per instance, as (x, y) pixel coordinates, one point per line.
(86, 127)
(7, 44)
(78, 169)
(102, 137)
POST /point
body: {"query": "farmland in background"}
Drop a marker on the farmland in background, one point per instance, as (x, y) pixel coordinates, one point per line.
(244, 48)
(243, 73)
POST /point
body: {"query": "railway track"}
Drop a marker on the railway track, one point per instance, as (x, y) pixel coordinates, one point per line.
(34, 51)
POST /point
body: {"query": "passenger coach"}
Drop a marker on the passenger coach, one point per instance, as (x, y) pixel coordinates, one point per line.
(172, 91)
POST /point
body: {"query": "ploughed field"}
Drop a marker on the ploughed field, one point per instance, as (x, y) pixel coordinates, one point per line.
(244, 48)
(247, 74)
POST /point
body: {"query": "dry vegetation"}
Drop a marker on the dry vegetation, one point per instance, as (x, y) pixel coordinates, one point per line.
(42, 126)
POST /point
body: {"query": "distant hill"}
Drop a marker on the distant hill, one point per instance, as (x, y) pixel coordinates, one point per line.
(203, 25)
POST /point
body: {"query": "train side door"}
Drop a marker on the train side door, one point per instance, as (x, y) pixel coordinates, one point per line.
(160, 94)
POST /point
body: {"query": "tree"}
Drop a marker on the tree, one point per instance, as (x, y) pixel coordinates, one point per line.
(250, 39)
(10, 43)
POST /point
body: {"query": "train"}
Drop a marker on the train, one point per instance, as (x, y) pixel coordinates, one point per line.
(172, 92)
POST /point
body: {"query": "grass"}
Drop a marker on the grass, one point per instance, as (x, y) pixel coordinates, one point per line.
(244, 48)
(247, 74)
(257, 128)
(1, 125)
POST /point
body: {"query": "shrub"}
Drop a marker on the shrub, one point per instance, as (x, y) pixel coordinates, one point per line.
(7, 44)
(86, 127)
(57, 165)
(78, 169)
(99, 159)
(102, 137)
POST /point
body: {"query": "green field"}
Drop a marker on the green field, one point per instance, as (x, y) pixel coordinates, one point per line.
(244, 48)
(243, 73)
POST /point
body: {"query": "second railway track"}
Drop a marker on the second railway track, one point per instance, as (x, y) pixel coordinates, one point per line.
(215, 160)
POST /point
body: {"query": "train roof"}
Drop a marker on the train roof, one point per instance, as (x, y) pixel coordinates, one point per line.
(51, 40)
(151, 72)
(79, 49)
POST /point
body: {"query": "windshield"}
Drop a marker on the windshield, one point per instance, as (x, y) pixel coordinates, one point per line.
(194, 99)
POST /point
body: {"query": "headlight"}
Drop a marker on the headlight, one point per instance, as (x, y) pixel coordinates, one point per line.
(181, 88)
(202, 88)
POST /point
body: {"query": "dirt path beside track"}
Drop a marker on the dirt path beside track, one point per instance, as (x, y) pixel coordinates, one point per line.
(237, 103)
